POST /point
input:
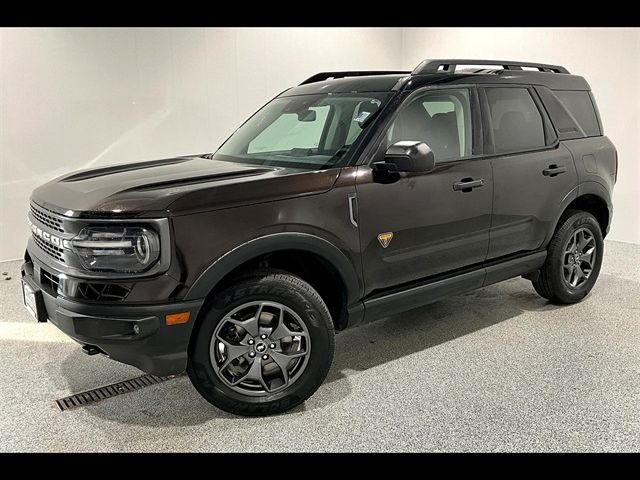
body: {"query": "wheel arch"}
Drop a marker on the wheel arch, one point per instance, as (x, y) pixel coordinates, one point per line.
(287, 251)
(593, 198)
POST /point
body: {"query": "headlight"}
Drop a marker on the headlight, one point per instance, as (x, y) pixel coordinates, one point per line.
(121, 248)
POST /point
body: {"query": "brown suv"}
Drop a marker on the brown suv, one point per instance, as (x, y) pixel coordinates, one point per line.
(352, 196)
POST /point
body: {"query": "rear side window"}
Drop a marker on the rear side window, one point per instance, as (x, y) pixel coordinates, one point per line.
(579, 105)
(516, 121)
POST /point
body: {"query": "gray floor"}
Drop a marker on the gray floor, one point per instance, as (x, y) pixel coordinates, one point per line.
(498, 369)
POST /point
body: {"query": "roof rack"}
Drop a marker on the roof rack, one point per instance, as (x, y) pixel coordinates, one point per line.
(449, 66)
(319, 77)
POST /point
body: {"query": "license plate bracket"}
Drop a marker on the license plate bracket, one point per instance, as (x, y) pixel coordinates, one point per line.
(33, 301)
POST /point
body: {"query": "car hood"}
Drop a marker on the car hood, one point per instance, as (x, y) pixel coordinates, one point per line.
(180, 185)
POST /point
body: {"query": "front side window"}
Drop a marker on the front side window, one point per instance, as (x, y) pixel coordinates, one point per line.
(441, 119)
(515, 119)
(305, 131)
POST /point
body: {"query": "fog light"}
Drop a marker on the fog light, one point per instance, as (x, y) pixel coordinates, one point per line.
(136, 329)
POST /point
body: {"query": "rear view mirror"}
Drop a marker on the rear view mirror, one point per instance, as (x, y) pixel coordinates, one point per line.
(307, 116)
(407, 156)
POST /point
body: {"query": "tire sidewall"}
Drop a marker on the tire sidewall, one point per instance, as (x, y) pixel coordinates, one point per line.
(311, 310)
(573, 223)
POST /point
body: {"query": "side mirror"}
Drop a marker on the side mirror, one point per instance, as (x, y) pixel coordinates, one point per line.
(407, 156)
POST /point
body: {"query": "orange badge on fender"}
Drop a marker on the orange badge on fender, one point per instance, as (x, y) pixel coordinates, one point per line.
(385, 239)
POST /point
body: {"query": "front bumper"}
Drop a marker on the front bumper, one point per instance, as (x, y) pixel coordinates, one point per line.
(130, 333)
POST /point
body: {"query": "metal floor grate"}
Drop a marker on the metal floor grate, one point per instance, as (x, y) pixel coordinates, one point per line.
(97, 394)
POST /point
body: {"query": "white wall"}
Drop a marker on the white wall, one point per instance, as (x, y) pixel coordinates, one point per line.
(76, 98)
(609, 58)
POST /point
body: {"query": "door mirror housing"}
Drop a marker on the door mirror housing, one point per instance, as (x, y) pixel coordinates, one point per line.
(407, 156)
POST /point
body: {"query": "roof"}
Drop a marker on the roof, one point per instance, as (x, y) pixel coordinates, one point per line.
(443, 71)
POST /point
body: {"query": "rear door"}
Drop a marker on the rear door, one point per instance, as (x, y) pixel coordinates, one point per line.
(533, 174)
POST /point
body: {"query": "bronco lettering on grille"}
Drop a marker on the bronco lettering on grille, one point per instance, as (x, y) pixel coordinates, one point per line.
(48, 237)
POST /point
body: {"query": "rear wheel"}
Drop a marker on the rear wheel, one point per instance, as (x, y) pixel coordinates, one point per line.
(264, 345)
(573, 261)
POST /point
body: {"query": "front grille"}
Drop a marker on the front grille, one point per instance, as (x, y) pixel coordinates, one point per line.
(49, 280)
(52, 250)
(44, 217)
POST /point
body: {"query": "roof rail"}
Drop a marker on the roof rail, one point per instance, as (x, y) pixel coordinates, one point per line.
(319, 77)
(449, 66)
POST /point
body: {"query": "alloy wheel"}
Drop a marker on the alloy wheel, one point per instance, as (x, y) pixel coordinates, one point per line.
(260, 348)
(579, 258)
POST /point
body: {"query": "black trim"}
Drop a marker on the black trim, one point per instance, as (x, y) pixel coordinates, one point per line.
(319, 77)
(133, 334)
(273, 243)
(415, 294)
(519, 265)
(594, 104)
(433, 66)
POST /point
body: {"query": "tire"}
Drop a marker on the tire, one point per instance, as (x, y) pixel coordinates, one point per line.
(552, 283)
(284, 299)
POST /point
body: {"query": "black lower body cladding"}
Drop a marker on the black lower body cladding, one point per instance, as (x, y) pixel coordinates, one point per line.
(130, 333)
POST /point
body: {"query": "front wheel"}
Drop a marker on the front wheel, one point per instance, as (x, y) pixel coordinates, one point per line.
(264, 345)
(574, 258)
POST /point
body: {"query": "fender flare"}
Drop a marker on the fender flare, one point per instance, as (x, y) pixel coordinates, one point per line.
(597, 189)
(272, 243)
(587, 188)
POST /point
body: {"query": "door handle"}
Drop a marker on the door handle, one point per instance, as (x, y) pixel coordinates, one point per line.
(553, 170)
(467, 184)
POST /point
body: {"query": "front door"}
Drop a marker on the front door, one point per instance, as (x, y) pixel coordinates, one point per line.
(419, 225)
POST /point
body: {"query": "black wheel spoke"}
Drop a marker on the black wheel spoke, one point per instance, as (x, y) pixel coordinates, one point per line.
(250, 325)
(584, 240)
(233, 352)
(587, 257)
(283, 362)
(579, 257)
(282, 331)
(255, 373)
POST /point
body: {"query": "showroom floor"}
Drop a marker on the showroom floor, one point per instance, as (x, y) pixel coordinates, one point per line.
(498, 369)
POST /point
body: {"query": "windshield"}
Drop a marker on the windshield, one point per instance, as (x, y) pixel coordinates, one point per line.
(305, 131)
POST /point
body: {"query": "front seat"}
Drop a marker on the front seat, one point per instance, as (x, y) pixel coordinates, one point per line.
(413, 123)
(443, 136)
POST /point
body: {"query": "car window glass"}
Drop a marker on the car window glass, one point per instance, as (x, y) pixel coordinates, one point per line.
(515, 118)
(441, 119)
(289, 132)
(312, 132)
(580, 105)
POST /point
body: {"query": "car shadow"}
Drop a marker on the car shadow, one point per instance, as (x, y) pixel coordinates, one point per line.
(176, 402)
(390, 338)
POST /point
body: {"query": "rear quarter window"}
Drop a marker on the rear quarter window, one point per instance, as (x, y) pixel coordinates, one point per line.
(580, 106)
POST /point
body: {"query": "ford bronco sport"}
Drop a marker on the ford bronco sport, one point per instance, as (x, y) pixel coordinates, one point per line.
(353, 196)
